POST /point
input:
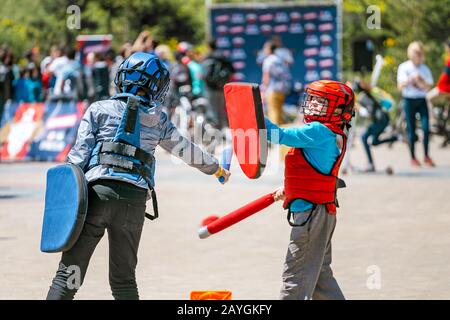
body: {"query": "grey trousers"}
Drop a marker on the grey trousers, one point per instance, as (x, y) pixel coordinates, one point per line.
(307, 272)
(123, 218)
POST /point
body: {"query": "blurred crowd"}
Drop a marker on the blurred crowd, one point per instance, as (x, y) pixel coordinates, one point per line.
(60, 75)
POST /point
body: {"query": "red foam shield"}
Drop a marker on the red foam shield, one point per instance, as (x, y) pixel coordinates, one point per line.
(246, 121)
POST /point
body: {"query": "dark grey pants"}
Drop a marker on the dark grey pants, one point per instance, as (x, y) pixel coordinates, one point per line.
(307, 270)
(118, 208)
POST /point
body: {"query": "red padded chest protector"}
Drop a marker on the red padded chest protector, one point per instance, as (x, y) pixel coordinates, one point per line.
(303, 181)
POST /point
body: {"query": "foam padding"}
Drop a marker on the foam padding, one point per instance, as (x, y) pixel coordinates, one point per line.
(246, 121)
(66, 203)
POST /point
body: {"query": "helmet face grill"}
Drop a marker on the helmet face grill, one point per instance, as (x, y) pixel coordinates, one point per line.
(315, 105)
(143, 71)
(328, 101)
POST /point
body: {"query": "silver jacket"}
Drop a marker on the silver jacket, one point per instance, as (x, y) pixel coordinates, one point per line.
(100, 123)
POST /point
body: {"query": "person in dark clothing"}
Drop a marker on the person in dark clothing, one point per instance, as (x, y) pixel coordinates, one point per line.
(100, 76)
(180, 76)
(6, 77)
(218, 71)
(378, 121)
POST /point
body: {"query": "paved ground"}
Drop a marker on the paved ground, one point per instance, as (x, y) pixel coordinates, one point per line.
(391, 242)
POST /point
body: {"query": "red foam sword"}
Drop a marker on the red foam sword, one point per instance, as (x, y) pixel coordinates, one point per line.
(214, 224)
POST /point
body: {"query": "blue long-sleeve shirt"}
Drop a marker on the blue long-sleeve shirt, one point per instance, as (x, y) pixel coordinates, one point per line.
(318, 144)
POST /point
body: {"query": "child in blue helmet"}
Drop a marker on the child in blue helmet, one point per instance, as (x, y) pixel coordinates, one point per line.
(115, 148)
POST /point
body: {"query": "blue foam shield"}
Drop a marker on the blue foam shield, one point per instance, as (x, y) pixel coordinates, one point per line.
(66, 203)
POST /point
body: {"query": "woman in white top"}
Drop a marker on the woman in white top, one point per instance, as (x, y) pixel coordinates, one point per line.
(414, 79)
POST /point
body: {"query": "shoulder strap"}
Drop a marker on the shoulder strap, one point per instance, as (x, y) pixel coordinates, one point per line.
(337, 164)
(131, 115)
(129, 129)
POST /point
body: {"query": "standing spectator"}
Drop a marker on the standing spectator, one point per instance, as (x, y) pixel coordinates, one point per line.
(164, 54)
(179, 72)
(55, 52)
(376, 110)
(28, 87)
(275, 82)
(110, 60)
(6, 77)
(284, 53)
(88, 78)
(196, 70)
(218, 71)
(68, 75)
(20, 87)
(414, 79)
(54, 69)
(33, 56)
(34, 84)
(179, 77)
(100, 76)
(197, 74)
(48, 79)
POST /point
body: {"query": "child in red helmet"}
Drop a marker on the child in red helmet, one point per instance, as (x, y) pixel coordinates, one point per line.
(309, 192)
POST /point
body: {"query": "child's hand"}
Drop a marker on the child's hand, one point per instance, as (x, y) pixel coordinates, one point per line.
(222, 174)
(279, 194)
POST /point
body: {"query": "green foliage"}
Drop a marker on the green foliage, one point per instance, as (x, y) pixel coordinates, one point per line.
(402, 21)
(26, 23)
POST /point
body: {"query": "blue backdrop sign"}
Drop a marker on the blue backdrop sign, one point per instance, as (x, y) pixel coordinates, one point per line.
(309, 31)
(61, 121)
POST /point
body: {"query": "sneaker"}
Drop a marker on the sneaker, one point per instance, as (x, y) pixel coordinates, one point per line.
(429, 162)
(415, 163)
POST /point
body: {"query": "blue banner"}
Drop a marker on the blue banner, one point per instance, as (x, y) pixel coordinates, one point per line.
(61, 121)
(310, 32)
(8, 113)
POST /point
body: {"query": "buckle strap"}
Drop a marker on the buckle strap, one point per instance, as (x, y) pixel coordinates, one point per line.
(340, 183)
(131, 115)
(111, 160)
(293, 224)
(127, 150)
(155, 206)
(128, 166)
(123, 165)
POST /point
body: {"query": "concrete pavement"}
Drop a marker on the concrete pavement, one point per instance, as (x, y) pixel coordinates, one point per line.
(391, 242)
